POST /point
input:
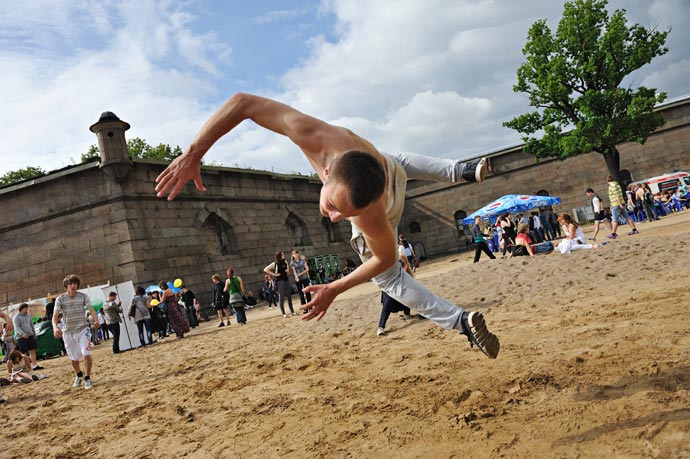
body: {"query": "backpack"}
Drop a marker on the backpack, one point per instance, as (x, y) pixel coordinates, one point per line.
(649, 197)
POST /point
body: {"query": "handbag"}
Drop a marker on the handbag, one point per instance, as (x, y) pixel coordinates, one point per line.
(244, 298)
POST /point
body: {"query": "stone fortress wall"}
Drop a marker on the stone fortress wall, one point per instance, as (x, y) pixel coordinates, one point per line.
(103, 222)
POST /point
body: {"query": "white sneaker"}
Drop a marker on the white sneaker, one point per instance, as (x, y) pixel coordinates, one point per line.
(88, 384)
(407, 317)
(380, 331)
(77, 381)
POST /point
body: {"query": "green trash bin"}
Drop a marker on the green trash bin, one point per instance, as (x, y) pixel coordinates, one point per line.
(47, 345)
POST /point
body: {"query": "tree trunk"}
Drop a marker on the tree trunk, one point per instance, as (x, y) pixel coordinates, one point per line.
(613, 162)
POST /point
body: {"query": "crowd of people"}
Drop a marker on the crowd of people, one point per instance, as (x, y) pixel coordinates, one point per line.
(157, 313)
(533, 234)
(643, 205)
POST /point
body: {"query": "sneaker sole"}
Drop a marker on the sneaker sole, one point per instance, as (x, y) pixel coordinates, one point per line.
(485, 341)
(481, 170)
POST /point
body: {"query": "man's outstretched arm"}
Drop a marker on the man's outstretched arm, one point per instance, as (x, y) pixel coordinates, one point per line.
(381, 243)
(307, 132)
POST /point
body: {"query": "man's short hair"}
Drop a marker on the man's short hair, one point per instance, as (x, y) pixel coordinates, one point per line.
(362, 174)
(589, 190)
(23, 306)
(70, 279)
(215, 277)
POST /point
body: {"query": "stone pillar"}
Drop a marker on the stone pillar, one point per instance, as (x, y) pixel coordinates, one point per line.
(110, 131)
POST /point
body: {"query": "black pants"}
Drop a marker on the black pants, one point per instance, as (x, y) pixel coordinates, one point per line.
(389, 306)
(104, 331)
(482, 247)
(115, 330)
(304, 297)
(191, 316)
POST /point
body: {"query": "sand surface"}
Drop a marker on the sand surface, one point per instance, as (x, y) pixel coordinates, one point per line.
(595, 362)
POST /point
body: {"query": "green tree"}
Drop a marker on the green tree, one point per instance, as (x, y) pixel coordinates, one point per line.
(138, 148)
(573, 79)
(21, 174)
(90, 155)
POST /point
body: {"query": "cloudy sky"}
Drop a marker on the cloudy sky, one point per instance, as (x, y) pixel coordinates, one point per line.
(431, 76)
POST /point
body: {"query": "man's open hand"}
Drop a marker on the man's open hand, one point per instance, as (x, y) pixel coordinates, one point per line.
(183, 169)
(322, 296)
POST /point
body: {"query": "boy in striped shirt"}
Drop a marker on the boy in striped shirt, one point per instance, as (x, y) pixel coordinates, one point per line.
(74, 330)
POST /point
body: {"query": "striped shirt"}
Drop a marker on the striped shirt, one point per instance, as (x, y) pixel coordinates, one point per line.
(615, 194)
(72, 310)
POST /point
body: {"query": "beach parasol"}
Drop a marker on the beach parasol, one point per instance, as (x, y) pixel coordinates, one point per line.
(511, 203)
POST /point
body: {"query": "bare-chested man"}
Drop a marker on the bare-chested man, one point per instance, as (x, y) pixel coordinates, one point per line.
(360, 185)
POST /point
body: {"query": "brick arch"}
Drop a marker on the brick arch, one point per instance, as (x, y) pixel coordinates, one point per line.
(217, 232)
(463, 230)
(298, 230)
(332, 229)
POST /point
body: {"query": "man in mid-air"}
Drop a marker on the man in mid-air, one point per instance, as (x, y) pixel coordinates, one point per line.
(361, 185)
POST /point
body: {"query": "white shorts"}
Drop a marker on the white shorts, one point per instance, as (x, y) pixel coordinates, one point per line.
(77, 344)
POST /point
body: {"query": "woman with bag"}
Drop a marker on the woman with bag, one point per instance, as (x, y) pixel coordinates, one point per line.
(235, 288)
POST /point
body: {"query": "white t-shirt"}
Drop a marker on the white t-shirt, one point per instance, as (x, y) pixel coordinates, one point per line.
(537, 222)
(579, 234)
(596, 203)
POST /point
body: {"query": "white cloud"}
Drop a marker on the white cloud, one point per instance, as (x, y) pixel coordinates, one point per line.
(434, 77)
(51, 98)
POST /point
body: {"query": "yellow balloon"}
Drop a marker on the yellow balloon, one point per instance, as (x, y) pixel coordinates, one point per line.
(155, 302)
(177, 283)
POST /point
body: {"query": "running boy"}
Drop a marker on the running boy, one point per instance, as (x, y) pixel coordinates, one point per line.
(75, 330)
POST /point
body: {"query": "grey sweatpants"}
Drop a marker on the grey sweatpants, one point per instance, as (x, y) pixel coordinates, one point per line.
(395, 281)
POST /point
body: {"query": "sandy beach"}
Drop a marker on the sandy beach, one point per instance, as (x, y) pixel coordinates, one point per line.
(595, 362)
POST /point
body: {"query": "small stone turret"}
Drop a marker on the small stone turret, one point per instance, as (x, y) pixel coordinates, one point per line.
(110, 131)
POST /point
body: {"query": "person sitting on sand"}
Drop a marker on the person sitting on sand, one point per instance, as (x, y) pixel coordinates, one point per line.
(523, 244)
(19, 368)
(574, 236)
(251, 300)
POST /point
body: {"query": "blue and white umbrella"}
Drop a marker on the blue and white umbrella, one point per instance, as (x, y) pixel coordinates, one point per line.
(155, 288)
(511, 203)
